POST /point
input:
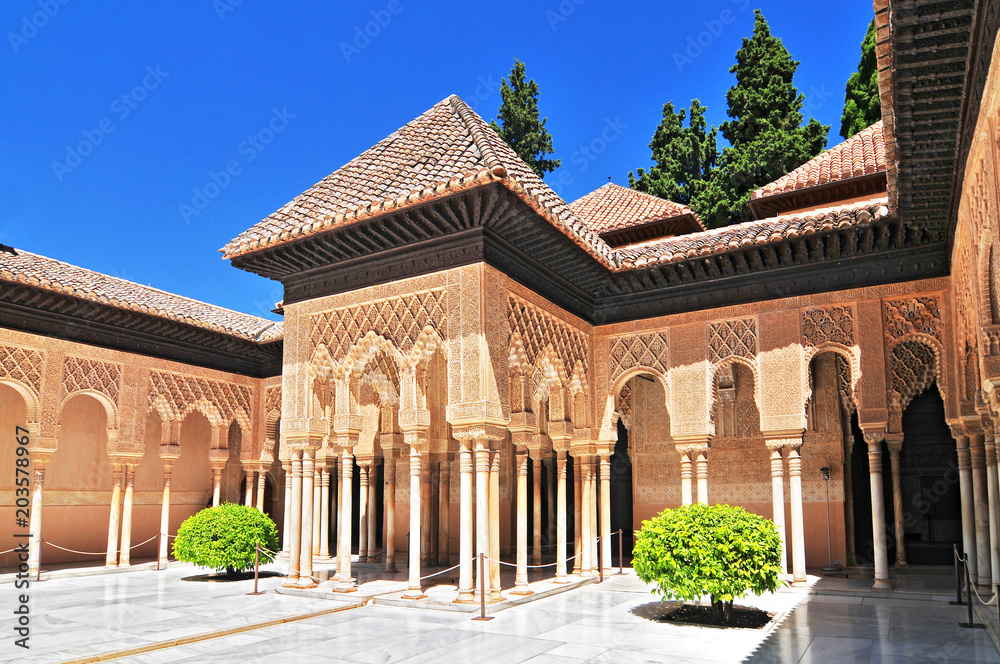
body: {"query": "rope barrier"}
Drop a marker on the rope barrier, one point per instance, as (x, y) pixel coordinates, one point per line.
(102, 553)
(3, 553)
(444, 571)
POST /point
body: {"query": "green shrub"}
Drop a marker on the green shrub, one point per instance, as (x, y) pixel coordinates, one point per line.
(223, 537)
(717, 550)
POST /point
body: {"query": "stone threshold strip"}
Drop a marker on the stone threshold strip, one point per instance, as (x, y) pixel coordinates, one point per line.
(187, 640)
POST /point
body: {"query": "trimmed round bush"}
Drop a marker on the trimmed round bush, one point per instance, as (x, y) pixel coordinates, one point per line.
(224, 537)
(717, 550)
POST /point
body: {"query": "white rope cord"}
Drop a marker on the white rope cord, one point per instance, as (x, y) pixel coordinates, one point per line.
(453, 567)
(102, 553)
(535, 566)
(3, 553)
(993, 600)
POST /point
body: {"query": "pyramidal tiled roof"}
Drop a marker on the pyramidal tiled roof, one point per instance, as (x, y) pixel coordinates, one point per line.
(59, 277)
(613, 207)
(447, 149)
(861, 154)
(764, 231)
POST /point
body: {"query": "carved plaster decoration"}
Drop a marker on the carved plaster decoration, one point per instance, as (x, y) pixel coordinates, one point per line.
(186, 393)
(914, 367)
(640, 350)
(535, 330)
(732, 338)
(914, 315)
(22, 364)
(844, 385)
(623, 404)
(272, 399)
(81, 373)
(828, 324)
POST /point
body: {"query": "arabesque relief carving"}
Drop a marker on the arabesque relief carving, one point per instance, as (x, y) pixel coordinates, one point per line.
(914, 315)
(833, 324)
(22, 364)
(731, 338)
(640, 350)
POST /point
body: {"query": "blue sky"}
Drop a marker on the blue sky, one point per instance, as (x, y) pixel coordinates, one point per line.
(120, 119)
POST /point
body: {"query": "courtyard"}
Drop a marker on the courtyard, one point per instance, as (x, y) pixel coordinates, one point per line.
(91, 618)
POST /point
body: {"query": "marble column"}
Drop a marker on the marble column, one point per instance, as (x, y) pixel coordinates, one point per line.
(778, 501)
(115, 520)
(426, 514)
(874, 441)
(687, 497)
(216, 487)
(594, 509)
(363, 469)
(433, 505)
(248, 497)
(286, 522)
(125, 558)
(550, 502)
(466, 593)
(895, 444)
(577, 515)
(521, 573)
(848, 486)
(345, 580)
(35, 522)
(444, 514)
(161, 559)
(372, 512)
(586, 566)
(324, 511)
(482, 505)
(308, 502)
(390, 512)
(495, 524)
(994, 503)
(605, 464)
(536, 509)
(980, 491)
(293, 527)
(317, 507)
(701, 470)
(414, 591)
(968, 509)
(560, 518)
(261, 488)
(798, 524)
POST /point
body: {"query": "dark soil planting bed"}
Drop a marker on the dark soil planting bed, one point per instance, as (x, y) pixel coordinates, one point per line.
(704, 615)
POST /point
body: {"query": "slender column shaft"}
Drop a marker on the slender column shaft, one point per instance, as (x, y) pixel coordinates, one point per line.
(981, 505)
(482, 502)
(286, 522)
(216, 487)
(536, 511)
(561, 517)
(686, 473)
(595, 532)
(994, 504)
(335, 520)
(521, 573)
(308, 501)
(425, 515)
(848, 485)
(444, 515)
(363, 469)
(701, 465)
(606, 510)
(495, 525)
(317, 509)
(778, 503)
(798, 525)
(372, 512)
(550, 501)
(114, 522)
(587, 544)
(125, 558)
(465, 546)
(35, 524)
(414, 590)
(968, 509)
(324, 512)
(577, 515)
(261, 488)
(346, 506)
(390, 513)
(164, 519)
(878, 510)
(248, 495)
(294, 525)
(433, 505)
(897, 502)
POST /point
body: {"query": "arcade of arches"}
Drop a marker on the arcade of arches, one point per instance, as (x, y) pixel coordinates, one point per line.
(446, 391)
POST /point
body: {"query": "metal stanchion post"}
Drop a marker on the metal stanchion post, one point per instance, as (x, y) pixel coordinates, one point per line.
(958, 579)
(256, 569)
(600, 559)
(621, 561)
(482, 589)
(969, 591)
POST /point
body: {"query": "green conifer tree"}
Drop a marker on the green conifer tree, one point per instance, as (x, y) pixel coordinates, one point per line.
(519, 125)
(862, 106)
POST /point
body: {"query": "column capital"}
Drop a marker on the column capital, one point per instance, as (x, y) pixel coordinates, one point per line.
(479, 431)
(895, 444)
(692, 448)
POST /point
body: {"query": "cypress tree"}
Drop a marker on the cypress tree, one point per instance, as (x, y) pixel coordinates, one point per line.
(519, 124)
(766, 133)
(862, 106)
(683, 157)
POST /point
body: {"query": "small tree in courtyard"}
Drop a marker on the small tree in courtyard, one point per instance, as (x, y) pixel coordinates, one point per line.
(224, 537)
(717, 550)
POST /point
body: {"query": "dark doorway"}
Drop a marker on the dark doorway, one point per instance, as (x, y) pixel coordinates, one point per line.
(621, 497)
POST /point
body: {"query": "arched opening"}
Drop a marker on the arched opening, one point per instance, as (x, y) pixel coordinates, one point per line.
(621, 497)
(148, 488)
(232, 487)
(13, 413)
(191, 482)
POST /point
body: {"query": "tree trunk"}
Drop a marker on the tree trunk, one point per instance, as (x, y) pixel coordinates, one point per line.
(729, 612)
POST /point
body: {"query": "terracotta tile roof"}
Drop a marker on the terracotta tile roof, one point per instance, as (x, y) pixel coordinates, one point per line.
(447, 149)
(861, 154)
(613, 207)
(59, 277)
(765, 231)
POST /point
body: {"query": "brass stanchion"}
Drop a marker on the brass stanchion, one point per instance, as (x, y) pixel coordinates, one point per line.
(600, 559)
(972, 623)
(958, 578)
(256, 569)
(482, 589)
(621, 561)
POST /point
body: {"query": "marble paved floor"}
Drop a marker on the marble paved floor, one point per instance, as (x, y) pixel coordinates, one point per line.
(86, 616)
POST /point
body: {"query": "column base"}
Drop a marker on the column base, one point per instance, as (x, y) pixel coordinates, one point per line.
(495, 596)
(346, 586)
(305, 585)
(561, 579)
(881, 584)
(522, 590)
(902, 564)
(390, 568)
(414, 593)
(466, 597)
(125, 564)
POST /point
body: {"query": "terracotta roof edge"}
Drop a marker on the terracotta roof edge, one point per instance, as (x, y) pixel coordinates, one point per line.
(464, 114)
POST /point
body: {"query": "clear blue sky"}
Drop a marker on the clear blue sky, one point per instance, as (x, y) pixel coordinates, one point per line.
(164, 94)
